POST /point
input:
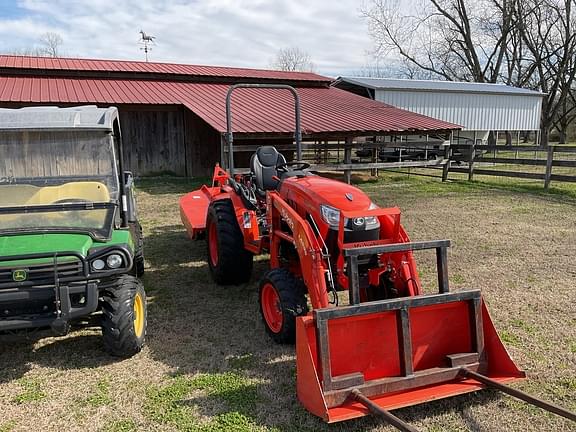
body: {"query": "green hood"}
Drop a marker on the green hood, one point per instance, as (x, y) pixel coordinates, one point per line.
(26, 244)
(44, 243)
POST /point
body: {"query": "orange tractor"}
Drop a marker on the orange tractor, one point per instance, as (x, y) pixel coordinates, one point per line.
(391, 345)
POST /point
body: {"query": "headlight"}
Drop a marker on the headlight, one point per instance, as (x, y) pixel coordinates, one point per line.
(372, 220)
(114, 261)
(330, 215)
(98, 264)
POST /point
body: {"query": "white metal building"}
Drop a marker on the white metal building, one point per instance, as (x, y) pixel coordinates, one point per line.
(477, 107)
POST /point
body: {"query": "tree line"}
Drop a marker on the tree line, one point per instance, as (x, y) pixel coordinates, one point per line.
(523, 43)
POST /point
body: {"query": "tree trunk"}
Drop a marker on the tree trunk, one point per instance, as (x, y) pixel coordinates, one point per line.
(491, 138)
(544, 136)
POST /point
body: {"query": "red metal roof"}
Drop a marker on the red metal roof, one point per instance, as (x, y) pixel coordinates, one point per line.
(43, 64)
(324, 109)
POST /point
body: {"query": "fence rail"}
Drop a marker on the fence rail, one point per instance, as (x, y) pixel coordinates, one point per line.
(473, 158)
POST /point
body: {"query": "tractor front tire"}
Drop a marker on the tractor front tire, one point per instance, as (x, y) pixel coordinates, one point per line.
(229, 262)
(282, 298)
(123, 304)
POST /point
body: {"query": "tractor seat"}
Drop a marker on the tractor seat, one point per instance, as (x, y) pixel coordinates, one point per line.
(263, 165)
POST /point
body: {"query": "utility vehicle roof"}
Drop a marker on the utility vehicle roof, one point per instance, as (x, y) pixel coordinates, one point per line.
(86, 117)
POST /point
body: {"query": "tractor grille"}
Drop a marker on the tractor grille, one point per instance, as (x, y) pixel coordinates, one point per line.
(42, 273)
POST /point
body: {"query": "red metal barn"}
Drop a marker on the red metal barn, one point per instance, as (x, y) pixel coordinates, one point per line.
(173, 115)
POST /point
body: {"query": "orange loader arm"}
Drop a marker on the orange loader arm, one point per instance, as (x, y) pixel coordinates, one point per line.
(306, 244)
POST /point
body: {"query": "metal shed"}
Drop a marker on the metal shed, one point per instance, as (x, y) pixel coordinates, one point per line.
(477, 107)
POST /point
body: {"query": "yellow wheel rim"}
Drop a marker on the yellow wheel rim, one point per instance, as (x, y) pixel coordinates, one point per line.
(138, 315)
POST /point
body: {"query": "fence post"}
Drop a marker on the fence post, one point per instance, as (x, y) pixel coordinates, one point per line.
(447, 155)
(549, 162)
(348, 159)
(471, 160)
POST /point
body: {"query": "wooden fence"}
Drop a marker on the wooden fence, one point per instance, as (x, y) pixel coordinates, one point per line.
(474, 154)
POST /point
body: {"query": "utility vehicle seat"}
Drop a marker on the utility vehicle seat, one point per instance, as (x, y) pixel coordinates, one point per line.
(263, 165)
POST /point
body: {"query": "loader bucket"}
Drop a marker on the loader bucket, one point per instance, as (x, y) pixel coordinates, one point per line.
(397, 352)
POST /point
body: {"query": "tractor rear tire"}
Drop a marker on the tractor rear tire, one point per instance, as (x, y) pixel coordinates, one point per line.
(123, 304)
(229, 262)
(282, 298)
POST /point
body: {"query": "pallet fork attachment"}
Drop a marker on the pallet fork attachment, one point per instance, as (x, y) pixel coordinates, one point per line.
(396, 352)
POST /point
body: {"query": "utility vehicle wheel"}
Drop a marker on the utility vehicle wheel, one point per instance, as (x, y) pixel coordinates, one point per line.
(138, 267)
(124, 316)
(229, 262)
(282, 298)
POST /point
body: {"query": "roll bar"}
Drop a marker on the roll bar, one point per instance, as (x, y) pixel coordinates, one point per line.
(229, 134)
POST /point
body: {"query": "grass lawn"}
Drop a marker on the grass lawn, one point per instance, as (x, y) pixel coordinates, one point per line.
(208, 365)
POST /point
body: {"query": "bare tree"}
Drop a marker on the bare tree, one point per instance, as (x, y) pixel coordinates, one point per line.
(547, 28)
(49, 47)
(292, 59)
(527, 43)
(50, 44)
(461, 40)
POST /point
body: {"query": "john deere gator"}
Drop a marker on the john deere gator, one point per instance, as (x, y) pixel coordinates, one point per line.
(70, 241)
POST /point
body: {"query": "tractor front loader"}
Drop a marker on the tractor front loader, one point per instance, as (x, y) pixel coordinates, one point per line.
(390, 345)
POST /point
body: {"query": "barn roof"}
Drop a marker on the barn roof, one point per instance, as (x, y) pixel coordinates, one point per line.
(326, 111)
(116, 68)
(435, 86)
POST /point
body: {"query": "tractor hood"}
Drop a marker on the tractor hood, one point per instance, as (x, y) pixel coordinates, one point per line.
(320, 190)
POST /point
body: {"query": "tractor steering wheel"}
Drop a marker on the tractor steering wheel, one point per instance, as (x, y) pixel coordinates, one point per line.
(293, 166)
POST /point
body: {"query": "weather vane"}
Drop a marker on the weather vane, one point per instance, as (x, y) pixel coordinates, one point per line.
(146, 40)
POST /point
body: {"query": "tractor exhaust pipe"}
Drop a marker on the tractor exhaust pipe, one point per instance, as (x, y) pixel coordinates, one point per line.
(229, 133)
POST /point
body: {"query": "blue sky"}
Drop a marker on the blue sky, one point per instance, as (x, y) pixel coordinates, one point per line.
(244, 33)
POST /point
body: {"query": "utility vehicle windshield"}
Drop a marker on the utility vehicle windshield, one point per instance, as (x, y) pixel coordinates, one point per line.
(58, 181)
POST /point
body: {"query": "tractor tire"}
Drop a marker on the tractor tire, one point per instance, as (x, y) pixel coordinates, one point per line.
(282, 298)
(123, 304)
(229, 262)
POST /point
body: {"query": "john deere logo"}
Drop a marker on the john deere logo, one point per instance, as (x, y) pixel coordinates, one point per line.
(19, 275)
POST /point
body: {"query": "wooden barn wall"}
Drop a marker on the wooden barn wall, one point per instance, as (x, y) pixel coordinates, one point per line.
(202, 146)
(153, 140)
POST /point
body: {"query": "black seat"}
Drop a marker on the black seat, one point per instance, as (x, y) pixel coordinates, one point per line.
(264, 167)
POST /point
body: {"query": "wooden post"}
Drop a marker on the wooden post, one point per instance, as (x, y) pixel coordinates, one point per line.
(348, 159)
(471, 159)
(549, 161)
(447, 155)
(374, 171)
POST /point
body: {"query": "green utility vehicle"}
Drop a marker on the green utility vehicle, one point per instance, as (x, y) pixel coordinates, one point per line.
(70, 241)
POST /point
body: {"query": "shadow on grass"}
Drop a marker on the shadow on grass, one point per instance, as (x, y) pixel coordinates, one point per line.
(224, 366)
(74, 351)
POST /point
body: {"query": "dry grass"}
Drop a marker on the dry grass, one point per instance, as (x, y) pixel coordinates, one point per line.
(208, 365)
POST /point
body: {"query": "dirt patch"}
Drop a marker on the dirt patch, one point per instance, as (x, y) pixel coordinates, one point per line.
(208, 364)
